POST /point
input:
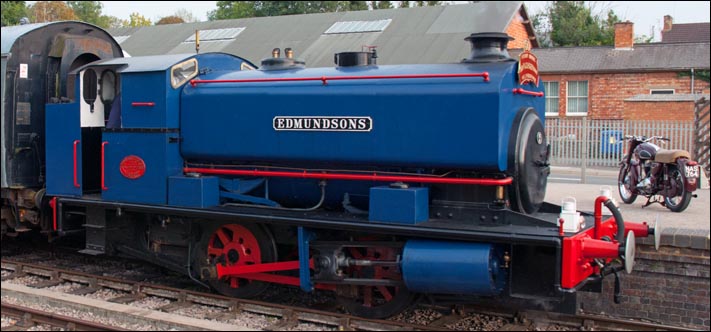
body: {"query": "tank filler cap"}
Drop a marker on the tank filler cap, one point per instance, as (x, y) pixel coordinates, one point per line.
(488, 47)
(278, 63)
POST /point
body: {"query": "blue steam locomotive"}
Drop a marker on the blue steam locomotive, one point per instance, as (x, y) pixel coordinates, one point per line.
(375, 182)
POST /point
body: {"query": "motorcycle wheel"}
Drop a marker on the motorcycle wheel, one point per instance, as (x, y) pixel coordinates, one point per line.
(623, 183)
(680, 202)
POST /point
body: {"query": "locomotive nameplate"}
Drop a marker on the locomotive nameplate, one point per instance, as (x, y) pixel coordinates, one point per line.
(323, 123)
(132, 167)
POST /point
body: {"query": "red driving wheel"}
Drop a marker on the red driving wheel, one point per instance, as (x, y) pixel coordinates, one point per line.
(236, 245)
(375, 301)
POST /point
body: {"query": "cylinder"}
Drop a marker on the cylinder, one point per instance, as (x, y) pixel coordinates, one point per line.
(442, 267)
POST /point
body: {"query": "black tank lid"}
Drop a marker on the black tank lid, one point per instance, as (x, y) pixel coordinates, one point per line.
(354, 59)
(282, 63)
(488, 47)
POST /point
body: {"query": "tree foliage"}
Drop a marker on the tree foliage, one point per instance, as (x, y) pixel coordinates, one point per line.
(381, 4)
(50, 11)
(355, 5)
(137, 20)
(572, 23)
(172, 19)
(91, 12)
(12, 12)
(699, 75)
(185, 15)
(241, 9)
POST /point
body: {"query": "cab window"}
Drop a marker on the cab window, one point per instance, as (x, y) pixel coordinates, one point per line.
(182, 72)
(246, 66)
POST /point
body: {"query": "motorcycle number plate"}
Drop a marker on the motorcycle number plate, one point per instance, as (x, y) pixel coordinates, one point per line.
(692, 172)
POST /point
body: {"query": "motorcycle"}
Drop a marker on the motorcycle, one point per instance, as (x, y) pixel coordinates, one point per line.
(651, 171)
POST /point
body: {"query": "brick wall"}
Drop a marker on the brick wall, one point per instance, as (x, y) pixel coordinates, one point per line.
(607, 93)
(517, 30)
(657, 110)
(669, 286)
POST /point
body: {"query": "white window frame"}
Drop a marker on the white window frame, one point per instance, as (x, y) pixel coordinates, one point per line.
(548, 96)
(175, 67)
(673, 91)
(567, 96)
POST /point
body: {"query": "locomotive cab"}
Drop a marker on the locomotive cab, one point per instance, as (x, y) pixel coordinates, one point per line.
(38, 69)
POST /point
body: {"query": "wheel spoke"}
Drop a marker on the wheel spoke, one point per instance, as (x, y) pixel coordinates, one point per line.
(214, 251)
(234, 283)
(368, 296)
(223, 237)
(386, 293)
(356, 254)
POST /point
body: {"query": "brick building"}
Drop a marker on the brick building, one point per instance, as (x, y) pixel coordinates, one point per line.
(626, 81)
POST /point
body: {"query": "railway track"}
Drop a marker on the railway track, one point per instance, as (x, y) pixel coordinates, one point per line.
(28, 318)
(289, 317)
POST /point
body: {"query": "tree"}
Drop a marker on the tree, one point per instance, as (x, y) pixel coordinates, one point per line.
(87, 11)
(137, 20)
(381, 4)
(50, 11)
(231, 10)
(241, 9)
(352, 5)
(172, 19)
(12, 12)
(113, 22)
(408, 4)
(91, 12)
(571, 23)
(185, 15)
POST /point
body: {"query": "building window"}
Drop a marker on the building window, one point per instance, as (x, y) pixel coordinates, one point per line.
(552, 98)
(577, 98)
(661, 92)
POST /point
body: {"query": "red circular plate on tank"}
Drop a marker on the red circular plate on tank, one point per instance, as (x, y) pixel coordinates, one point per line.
(132, 167)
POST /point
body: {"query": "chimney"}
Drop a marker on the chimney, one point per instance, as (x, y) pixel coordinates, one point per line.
(668, 22)
(624, 35)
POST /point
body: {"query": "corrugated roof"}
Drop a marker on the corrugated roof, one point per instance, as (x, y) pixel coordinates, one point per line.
(643, 57)
(688, 33)
(414, 35)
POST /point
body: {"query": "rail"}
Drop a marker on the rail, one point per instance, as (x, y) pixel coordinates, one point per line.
(27, 317)
(138, 289)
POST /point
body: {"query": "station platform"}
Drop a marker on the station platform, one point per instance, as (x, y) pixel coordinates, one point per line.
(670, 285)
(687, 229)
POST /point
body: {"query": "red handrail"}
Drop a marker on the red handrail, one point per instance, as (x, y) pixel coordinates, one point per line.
(103, 148)
(141, 103)
(325, 79)
(76, 182)
(53, 205)
(526, 92)
(357, 177)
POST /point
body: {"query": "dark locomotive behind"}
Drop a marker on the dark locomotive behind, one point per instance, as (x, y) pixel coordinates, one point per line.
(378, 183)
